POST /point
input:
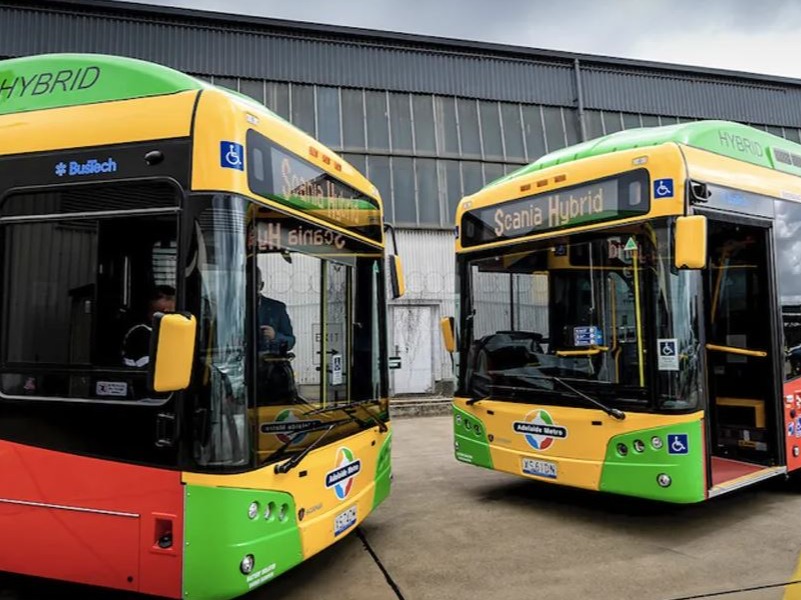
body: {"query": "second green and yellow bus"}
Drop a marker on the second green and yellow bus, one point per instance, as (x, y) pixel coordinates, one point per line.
(630, 314)
(202, 449)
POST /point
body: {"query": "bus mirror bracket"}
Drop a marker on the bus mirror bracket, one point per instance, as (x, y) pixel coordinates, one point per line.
(699, 192)
(397, 280)
(690, 242)
(172, 348)
(448, 334)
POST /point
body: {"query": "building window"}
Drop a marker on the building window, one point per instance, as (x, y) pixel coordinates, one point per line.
(403, 188)
(377, 121)
(303, 108)
(400, 113)
(468, 127)
(424, 130)
(277, 98)
(532, 128)
(428, 191)
(491, 130)
(513, 131)
(445, 121)
(328, 124)
(353, 119)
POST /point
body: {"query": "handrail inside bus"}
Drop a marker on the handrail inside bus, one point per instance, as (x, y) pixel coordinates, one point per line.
(733, 350)
(592, 351)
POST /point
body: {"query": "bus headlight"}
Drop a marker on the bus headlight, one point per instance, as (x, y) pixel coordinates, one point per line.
(622, 449)
(253, 510)
(246, 566)
(638, 446)
(664, 480)
(656, 442)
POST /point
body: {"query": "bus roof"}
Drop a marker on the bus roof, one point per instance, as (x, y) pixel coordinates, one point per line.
(730, 139)
(59, 80)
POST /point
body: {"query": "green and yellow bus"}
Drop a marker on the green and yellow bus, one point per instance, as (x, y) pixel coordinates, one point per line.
(630, 314)
(193, 369)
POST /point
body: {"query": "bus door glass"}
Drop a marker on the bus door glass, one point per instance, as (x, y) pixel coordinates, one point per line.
(740, 343)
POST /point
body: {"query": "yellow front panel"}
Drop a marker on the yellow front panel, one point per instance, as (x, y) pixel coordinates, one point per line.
(307, 485)
(222, 118)
(101, 124)
(580, 455)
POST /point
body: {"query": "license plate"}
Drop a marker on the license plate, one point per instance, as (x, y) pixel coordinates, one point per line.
(344, 520)
(540, 468)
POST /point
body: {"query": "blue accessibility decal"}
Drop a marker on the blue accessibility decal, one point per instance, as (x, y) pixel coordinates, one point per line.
(232, 155)
(678, 443)
(663, 188)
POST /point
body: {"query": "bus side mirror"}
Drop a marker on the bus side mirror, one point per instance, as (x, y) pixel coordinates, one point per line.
(172, 349)
(690, 242)
(448, 335)
(396, 276)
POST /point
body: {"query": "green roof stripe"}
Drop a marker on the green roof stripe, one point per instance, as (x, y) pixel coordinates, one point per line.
(58, 80)
(721, 137)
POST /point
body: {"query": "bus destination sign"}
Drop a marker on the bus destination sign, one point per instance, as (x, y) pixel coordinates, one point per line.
(279, 175)
(620, 197)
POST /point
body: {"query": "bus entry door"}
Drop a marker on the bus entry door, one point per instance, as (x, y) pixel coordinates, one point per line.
(740, 345)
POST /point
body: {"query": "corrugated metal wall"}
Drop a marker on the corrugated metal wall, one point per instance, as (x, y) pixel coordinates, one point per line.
(696, 96)
(269, 54)
(262, 49)
(428, 264)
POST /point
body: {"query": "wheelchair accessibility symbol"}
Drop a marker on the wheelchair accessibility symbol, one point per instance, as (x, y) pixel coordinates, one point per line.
(663, 188)
(232, 156)
(677, 443)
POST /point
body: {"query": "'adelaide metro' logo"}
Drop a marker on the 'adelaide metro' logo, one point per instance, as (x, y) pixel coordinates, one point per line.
(539, 429)
(341, 478)
(288, 428)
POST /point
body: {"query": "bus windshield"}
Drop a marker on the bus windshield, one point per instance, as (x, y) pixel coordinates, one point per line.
(291, 334)
(606, 312)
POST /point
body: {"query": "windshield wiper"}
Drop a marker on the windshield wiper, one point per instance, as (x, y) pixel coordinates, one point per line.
(294, 461)
(349, 409)
(612, 412)
(285, 446)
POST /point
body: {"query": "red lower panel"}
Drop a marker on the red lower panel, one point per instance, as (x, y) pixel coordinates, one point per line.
(90, 521)
(792, 422)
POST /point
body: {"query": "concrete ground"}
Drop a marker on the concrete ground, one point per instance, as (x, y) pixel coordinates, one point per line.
(450, 530)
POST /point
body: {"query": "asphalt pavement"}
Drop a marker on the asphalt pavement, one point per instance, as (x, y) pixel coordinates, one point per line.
(454, 531)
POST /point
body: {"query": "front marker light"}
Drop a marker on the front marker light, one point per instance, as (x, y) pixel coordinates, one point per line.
(663, 479)
(246, 566)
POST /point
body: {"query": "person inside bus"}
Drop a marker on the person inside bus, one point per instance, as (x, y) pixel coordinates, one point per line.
(276, 339)
(136, 343)
(275, 327)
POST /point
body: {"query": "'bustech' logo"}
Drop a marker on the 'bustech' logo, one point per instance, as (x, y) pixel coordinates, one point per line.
(90, 167)
(539, 429)
(341, 478)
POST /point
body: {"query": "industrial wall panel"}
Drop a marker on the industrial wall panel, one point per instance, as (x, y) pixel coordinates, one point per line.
(429, 269)
(262, 53)
(696, 97)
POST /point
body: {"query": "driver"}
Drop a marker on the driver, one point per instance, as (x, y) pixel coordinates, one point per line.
(274, 323)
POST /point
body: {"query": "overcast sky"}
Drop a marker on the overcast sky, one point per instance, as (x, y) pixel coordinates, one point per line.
(743, 35)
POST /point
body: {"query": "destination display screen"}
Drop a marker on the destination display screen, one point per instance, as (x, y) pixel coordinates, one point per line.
(622, 196)
(277, 174)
